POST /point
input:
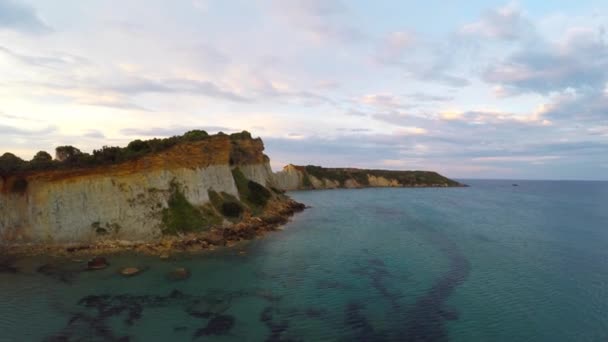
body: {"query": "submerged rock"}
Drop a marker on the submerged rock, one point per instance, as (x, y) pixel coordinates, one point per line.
(179, 273)
(218, 325)
(130, 271)
(97, 263)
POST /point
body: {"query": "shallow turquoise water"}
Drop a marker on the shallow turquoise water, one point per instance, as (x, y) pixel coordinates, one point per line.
(491, 262)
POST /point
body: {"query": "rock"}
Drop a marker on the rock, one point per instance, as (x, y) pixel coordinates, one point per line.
(97, 263)
(130, 271)
(7, 269)
(165, 256)
(179, 273)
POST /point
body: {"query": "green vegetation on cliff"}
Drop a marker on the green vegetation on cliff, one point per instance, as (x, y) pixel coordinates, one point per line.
(361, 176)
(182, 217)
(228, 205)
(69, 157)
(253, 194)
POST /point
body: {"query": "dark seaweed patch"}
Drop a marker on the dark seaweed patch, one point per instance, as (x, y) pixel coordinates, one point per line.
(427, 316)
(92, 323)
(218, 325)
(6, 267)
(277, 329)
(375, 270)
(356, 320)
(331, 285)
(59, 273)
(315, 313)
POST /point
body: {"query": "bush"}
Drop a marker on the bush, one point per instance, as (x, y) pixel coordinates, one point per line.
(182, 217)
(10, 163)
(258, 194)
(240, 135)
(137, 146)
(63, 153)
(195, 135)
(42, 157)
(232, 209)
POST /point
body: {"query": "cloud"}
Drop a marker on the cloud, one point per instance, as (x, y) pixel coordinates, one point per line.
(381, 100)
(510, 159)
(6, 130)
(579, 60)
(19, 17)
(171, 131)
(505, 23)
(321, 19)
(53, 61)
(394, 46)
(93, 133)
(573, 106)
(486, 117)
(422, 97)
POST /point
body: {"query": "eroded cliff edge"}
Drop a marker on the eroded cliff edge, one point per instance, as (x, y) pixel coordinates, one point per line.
(294, 177)
(207, 184)
(186, 192)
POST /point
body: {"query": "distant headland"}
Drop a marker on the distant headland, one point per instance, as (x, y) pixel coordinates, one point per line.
(188, 192)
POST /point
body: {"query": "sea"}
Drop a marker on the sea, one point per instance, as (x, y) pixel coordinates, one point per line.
(496, 261)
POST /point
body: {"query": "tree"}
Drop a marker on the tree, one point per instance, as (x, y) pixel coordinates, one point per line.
(42, 157)
(10, 162)
(63, 153)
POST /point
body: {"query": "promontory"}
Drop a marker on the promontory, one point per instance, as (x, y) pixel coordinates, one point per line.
(186, 192)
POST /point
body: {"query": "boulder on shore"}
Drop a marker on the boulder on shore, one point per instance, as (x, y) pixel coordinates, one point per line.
(97, 263)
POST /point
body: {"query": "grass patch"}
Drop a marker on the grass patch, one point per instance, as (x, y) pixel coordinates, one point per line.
(182, 217)
(255, 195)
(228, 205)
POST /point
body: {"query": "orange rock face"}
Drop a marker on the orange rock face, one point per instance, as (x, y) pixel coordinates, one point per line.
(215, 150)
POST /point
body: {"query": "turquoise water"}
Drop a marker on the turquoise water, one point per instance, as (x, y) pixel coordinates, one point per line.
(491, 262)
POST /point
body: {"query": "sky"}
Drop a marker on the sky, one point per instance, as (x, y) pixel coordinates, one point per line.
(475, 89)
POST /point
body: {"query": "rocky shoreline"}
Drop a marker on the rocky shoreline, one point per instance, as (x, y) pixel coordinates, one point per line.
(276, 214)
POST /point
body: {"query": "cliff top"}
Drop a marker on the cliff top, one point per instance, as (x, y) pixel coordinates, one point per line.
(187, 150)
(341, 175)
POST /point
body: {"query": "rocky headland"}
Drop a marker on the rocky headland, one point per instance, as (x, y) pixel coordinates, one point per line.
(184, 193)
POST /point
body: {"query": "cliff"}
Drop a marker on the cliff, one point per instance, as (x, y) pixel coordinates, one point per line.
(294, 177)
(190, 191)
(191, 186)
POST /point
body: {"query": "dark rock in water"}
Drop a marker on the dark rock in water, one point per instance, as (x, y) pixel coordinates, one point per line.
(218, 325)
(58, 273)
(130, 271)
(97, 263)
(179, 273)
(4, 268)
(515, 184)
(315, 313)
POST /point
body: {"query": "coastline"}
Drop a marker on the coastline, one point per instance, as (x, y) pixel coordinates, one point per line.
(277, 214)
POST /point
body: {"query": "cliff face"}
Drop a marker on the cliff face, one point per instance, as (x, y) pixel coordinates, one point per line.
(294, 177)
(220, 186)
(133, 200)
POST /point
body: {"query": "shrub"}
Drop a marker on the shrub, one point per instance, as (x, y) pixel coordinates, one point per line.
(240, 135)
(253, 194)
(10, 163)
(42, 157)
(258, 194)
(232, 209)
(182, 217)
(195, 135)
(137, 146)
(63, 153)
